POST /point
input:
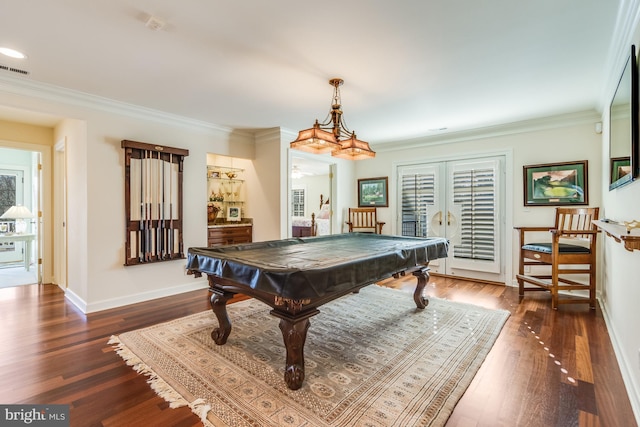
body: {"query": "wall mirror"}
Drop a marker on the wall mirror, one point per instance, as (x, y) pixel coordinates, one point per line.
(624, 161)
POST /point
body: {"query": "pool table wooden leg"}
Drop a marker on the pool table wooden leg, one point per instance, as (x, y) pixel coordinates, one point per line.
(423, 277)
(294, 333)
(218, 301)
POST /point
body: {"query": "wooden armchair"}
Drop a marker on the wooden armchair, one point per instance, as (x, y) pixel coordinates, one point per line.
(562, 256)
(364, 220)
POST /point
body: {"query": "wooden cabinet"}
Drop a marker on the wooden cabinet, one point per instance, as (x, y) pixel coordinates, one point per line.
(297, 231)
(229, 235)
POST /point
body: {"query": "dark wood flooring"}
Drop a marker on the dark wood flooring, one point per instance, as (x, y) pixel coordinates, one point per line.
(547, 368)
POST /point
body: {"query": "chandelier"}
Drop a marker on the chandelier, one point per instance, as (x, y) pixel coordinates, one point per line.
(333, 135)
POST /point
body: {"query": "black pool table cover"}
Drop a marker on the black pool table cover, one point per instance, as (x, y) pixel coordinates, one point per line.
(301, 268)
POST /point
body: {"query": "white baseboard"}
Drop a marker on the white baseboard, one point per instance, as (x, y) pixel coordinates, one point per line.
(75, 299)
(626, 367)
(133, 299)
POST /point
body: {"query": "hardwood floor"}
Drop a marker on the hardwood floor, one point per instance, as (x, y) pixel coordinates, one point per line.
(547, 368)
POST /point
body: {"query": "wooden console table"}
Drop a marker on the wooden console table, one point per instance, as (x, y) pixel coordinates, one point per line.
(630, 239)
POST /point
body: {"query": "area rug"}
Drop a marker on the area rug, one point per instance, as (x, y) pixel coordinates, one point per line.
(371, 359)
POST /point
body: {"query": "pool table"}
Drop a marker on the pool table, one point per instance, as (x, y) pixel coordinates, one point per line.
(296, 276)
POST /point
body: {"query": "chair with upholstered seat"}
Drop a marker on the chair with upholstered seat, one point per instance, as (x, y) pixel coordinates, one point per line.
(570, 250)
(364, 220)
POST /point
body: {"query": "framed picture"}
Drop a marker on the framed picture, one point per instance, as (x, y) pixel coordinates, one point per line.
(373, 192)
(233, 213)
(556, 184)
(620, 167)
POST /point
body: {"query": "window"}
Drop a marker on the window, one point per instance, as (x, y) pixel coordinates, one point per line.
(297, 202)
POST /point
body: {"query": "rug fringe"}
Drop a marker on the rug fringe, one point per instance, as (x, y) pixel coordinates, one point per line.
(199, 406)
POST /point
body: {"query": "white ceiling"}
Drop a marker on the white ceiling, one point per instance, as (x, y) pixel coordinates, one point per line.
(410, 67)
(309, 167)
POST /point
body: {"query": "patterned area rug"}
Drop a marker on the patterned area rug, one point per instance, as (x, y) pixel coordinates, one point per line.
(371, 359)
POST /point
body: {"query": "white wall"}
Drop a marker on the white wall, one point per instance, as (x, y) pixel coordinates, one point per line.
(269, 192)
(314, 187)
(620, 284)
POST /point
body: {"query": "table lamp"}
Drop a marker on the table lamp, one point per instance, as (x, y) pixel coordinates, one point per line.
(19, 213)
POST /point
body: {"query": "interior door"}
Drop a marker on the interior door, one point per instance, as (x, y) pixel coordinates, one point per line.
(461, 200)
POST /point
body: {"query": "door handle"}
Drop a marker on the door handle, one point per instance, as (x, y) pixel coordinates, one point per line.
(440, 217)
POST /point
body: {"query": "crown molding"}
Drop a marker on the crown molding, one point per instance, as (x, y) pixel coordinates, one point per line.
(56, 94)
(526, 126)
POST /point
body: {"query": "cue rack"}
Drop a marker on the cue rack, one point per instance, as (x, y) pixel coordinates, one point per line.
(153, 202)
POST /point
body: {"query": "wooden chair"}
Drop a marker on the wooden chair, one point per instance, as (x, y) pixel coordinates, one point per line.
(364, 220)
(562, 258)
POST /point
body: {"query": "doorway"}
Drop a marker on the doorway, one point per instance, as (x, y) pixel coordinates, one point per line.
(462, 201)
(19, 242)
(311, 193)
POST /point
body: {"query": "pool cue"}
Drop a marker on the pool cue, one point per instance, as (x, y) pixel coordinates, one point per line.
(147, 253)
(152, 205)
(159, 219)
(161, 213)
(141, 227)
(171, 235)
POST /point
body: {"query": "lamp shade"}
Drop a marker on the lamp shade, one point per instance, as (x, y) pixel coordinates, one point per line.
(315, 140)
(17, 212)
(354, 149)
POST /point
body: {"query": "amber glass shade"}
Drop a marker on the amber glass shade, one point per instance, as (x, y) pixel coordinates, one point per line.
(354, 149)
(315, 140)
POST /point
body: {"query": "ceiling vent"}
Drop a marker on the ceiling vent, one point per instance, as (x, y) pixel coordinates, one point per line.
(15, 70)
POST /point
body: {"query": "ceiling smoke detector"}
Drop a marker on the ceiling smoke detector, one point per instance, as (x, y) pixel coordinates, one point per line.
(154, 23)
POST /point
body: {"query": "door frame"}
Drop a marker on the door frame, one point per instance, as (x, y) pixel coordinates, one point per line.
(508, 201)
(44, 201)
(330, 163)
(60, 266)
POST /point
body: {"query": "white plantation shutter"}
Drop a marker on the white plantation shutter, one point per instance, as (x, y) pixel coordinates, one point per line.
(474, 190)
(473, 204)
(418, 200)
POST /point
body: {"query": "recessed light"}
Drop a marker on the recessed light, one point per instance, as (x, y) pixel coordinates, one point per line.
(12, 53)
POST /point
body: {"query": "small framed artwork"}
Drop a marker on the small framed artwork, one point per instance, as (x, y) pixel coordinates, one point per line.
(556, 184)
(233, 213)
(620, 167)
(4, 227)
(373, 192)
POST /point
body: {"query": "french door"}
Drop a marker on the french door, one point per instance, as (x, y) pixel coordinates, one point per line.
(462, 201)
